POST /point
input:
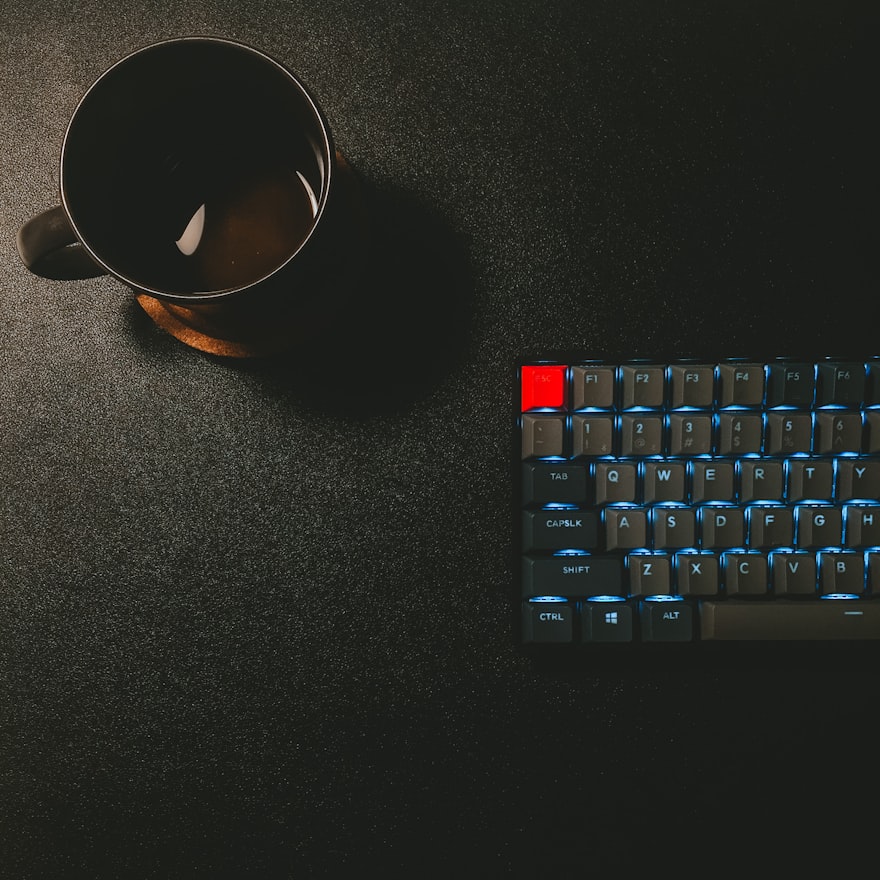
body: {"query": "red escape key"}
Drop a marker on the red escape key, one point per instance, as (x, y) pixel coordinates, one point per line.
(543, 386)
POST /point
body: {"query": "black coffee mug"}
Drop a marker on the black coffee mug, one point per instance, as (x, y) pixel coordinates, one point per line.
(197, 171)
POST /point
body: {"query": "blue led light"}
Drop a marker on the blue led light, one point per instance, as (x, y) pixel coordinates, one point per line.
(840, 596)
(548, 599)
(663, 598)
(606, 599)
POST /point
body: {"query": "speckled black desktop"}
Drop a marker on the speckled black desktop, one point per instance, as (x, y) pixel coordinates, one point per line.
(256, 616)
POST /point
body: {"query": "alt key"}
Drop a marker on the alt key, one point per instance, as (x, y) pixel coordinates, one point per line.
(667, 621)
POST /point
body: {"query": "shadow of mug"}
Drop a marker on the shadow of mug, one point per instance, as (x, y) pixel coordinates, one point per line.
(404, 324)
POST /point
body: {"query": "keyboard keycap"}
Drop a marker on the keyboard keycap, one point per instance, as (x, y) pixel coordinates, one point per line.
(664, 481)
(543, 386)
(593, 387)
(641, 435)
(542, 436)
(547, 621)
(838, 432)
(841, 384)
(745, 574)
(841, 573)
(740, 434)
(696, 574)
(692, 385)
(817, 620)
(741, 384)
(572, 576)
(554, 483)
(560, 529)
(712, 481)
(788, 433)
(592, 435)
(793, 574)
(607, 622)
(667, 621)
(690, 434)
(650, 574)
(790, 384)
(642, 386)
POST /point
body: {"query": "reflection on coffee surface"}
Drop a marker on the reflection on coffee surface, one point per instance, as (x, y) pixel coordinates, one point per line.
(246, 229)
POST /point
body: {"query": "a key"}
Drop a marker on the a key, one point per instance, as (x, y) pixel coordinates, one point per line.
(842, 384)
(607, 622)
(722, 527)
(641, 435)
(650, 574)
(542, 436)
(818, 526)
(741, 384)
(810, 479)
(696, 574)
(790, 384)
(670, 621)
(542, 386)
(642, 385)
(692, 385)
(862, 525)
(674, 527)
(793, 574)
(841, 573)
(663, 481)
(761, 480)
(770, 527)
(615, 482)
(546, 483)
(560, 529)
(858, 478)
(838, 432)
(739, 433)
(788, 433)
(790, 620)
(690, 434)
(744, 574)
(547, 621)
(626, 528)
(712, 481)
(592, 435)
(593, 387)
(575, 575)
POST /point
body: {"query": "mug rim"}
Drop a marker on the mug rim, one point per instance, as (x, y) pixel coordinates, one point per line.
(210, 295)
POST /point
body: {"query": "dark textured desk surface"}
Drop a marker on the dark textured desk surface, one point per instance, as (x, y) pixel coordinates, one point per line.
(255, 617)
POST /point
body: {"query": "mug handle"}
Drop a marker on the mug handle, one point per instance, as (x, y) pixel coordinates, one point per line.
(49, 248)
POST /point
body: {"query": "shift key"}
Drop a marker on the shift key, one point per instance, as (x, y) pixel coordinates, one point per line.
(572, 576)
(560, 528)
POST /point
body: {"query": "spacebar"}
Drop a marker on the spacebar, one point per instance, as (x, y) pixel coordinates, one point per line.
(781, 620)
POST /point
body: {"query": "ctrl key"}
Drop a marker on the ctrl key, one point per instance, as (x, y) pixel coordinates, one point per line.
(547, 619)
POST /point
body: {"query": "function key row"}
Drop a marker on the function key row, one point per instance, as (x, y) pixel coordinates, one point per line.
(800, 385)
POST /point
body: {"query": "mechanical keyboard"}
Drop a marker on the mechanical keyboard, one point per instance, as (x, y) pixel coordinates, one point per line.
(695, 500)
